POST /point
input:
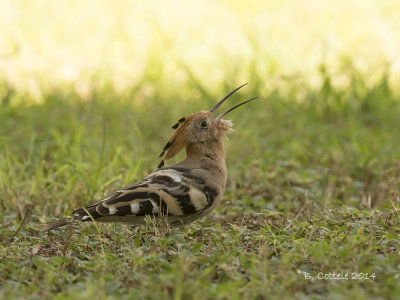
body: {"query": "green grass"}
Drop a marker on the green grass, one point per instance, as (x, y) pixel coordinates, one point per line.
(314, 177)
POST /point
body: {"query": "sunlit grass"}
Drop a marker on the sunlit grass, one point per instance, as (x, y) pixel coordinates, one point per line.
(86, 45)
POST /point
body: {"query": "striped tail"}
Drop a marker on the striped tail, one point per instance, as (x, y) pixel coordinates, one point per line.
(54, 225)
(79, 215)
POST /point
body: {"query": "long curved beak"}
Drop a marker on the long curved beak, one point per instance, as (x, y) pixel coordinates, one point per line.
(232, 108)
(226, 97)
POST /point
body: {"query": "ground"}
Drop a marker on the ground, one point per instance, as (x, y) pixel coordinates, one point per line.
(311, 207)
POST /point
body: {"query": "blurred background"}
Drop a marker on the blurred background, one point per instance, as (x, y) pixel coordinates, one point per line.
(169, 45)
(89, 90)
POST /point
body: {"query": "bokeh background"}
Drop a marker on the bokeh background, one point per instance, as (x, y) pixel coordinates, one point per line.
(169, 45)
(89, 89)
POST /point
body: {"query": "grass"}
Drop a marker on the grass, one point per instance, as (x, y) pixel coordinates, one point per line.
(313, 185)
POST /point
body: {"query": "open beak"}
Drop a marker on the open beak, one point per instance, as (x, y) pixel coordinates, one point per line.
(225, 98)
(232, 108)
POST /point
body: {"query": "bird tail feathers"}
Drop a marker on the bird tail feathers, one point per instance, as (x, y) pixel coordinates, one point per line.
(54, 225)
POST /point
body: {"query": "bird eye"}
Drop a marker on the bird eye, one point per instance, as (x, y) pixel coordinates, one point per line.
(203, 124)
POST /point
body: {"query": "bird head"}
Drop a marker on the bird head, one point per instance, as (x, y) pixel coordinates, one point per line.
(199, 128)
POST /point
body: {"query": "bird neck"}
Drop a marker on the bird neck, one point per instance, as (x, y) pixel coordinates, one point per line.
(209, 159)
(206, 152)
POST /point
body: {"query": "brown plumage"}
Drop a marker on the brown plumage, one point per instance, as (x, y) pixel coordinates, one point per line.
(182, 192)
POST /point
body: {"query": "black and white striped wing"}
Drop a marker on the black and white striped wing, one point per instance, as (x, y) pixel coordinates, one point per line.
(173, 192)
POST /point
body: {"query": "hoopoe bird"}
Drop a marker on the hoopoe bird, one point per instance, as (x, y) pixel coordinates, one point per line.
(183, 192)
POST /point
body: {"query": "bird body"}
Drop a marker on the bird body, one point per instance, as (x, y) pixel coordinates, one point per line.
(183, 192)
